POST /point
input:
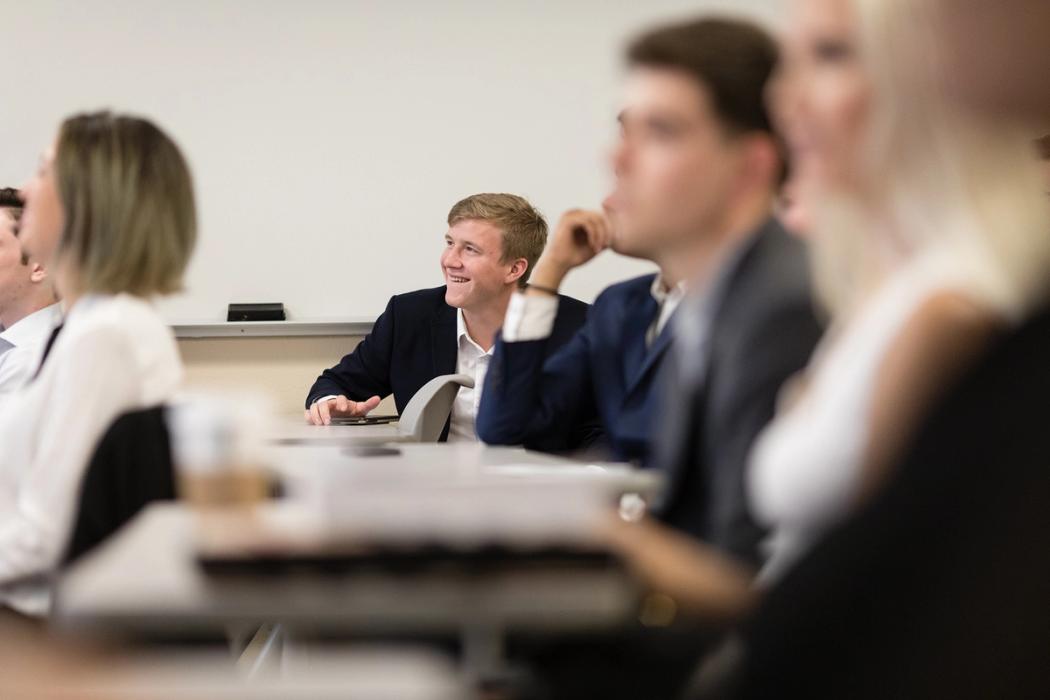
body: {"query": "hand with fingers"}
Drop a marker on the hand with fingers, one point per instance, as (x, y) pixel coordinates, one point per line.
(322, 411)
(700, 580)
(579, 236)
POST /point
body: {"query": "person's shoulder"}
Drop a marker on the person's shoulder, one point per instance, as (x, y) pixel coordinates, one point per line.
(123, 324)
(1012, 367)
(418, 304)
(571, 305)
(432, 295)
(122, 313)
(571, 315)
(944, 334)
(771, 278)
(627, 289)
(947, 318)
(779, 256)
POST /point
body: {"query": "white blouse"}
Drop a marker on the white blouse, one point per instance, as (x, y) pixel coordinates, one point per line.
(114, 354)
(805, 468)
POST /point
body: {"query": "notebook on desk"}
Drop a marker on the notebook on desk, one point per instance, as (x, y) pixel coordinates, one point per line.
(363, 420)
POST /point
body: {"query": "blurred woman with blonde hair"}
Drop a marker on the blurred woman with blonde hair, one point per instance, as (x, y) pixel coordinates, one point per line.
(929, 241)
(111, 212)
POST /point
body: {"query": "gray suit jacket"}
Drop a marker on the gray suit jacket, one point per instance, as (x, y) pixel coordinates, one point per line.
(762, 331)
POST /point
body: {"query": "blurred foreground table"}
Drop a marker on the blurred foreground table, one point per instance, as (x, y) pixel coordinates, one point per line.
(147, 581)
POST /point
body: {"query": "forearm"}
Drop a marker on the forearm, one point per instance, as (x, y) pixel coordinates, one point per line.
(701, 581)
(512, 395)
(548, 274)
(350, 378)
(533, 399)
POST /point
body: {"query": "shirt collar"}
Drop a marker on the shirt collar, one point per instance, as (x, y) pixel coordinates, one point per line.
(34, 327)
(662, 294)
(463, 335)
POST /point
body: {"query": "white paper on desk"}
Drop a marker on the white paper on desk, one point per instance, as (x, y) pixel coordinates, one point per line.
(470, 514)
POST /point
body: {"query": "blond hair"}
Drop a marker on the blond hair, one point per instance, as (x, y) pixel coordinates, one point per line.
(127, 196)
(524, 228)
(939, 175)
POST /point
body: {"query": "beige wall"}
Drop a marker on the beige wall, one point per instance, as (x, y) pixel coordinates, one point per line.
(284, 368)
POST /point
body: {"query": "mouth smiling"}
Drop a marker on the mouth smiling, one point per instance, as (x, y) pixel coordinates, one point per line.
(456, 278)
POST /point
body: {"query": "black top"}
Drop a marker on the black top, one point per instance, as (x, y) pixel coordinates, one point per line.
(131, 467)
(940, 587)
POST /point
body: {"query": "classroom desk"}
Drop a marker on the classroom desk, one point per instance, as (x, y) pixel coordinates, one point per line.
(292, 428)
(146, 582)
(146, 579)
(312, 457)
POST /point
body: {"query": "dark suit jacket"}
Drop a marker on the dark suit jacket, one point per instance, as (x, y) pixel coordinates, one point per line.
(604, 373)
(940, 586)
(413, 341)
(761, 332)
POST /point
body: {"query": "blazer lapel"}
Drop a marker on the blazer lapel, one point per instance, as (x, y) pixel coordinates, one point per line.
(652, 354)
(444, 350)
(640, 313)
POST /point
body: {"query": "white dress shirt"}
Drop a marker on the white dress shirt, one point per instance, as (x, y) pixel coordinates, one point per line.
(531, 316)
(473, 361)
(114, 354)
(805, 468)
(21, 346)
(668, 300)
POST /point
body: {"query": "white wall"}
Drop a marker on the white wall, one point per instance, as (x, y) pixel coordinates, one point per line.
(328, 139)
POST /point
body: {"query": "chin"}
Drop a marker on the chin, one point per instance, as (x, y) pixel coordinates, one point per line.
(455, 300)
(623, 245)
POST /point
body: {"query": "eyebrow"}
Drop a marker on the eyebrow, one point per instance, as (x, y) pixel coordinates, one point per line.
(464, 242)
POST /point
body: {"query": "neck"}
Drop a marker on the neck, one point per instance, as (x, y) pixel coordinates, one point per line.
(18, 309)
(485, 321)
(67, 286)
(702, 252)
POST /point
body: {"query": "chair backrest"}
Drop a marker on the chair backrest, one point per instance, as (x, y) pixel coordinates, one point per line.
(424, 418)
(131, 467)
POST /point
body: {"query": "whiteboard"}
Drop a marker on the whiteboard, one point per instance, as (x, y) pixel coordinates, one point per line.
(328, 140)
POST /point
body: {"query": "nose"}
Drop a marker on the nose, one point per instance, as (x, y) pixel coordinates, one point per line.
(450, 258)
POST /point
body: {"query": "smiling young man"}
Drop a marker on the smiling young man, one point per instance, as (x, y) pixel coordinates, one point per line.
(28, 308)
(491, 246)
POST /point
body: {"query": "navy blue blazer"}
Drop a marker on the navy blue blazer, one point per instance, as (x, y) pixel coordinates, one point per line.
(413, 341)
(605, 373)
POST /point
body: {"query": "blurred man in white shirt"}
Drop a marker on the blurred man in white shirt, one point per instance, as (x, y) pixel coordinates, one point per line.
(28, 307)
